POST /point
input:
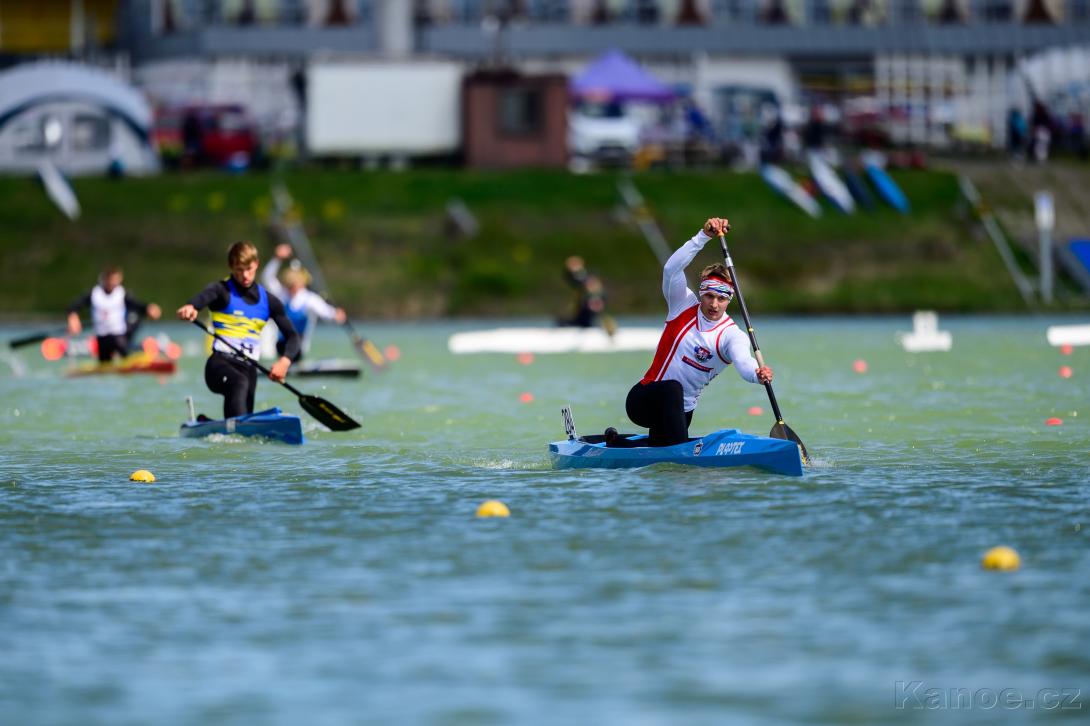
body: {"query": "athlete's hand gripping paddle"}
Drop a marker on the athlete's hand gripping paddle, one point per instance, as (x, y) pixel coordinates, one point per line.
(319, 408)
(780, 430)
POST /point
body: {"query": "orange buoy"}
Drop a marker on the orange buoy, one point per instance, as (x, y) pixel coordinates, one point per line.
(392, 352)
(755, 411)
(525, 358)
(1053, 421)
(859, 366)
(1065, 371)
(54, 348)
(1067, 349)
(526, 397)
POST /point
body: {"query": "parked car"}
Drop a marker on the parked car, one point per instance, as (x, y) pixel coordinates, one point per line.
(221, 135)
(603, 133)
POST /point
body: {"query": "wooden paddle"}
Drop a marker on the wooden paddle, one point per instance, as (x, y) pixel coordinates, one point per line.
(780, 430)
(319, 408)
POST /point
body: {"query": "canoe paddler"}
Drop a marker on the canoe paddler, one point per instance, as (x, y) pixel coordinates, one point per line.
(302, 305)
(698, 342)
(114, 314)
(240, 308)
(591, 294)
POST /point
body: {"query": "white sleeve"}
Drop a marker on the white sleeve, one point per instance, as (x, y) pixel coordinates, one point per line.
(270, 280)
(736, 349)
(674, 287)
(317, 305)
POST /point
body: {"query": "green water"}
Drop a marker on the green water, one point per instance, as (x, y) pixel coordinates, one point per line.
(348, 581)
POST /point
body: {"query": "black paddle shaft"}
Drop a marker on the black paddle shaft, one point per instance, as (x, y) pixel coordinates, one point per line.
(319, 408)
(33, 338)
(247, 359)
(749, 327)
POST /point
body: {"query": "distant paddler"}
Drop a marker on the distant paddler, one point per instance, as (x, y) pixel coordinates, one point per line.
(302, 305)
(698, 342)
(590, 303)
(240, 309)
(115, 314)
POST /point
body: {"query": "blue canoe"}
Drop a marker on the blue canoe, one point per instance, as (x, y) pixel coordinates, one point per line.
(887, 188)
(271, 423)
(728, 447)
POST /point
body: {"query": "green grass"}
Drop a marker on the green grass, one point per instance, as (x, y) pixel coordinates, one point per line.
(386, 251)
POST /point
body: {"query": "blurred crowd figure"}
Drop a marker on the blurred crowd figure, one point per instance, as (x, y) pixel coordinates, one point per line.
(1037, 138)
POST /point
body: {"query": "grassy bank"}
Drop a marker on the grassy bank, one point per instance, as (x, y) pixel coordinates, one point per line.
(384, 246)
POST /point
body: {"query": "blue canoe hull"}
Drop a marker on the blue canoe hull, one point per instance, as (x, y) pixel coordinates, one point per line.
(270, 424)
(887, 188)
(728, 447)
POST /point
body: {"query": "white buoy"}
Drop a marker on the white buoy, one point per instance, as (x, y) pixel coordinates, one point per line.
(925, 336)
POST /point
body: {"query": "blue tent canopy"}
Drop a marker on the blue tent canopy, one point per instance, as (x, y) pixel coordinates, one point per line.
(613, 76)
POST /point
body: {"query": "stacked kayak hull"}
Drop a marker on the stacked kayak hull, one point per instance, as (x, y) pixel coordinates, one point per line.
(724, 448)
(270, 424)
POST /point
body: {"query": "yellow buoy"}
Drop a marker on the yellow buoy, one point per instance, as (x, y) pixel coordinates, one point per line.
(142, 475)
(493, 508)
(1001, 558)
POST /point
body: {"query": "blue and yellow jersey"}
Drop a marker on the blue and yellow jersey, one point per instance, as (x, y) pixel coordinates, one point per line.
(241, 322)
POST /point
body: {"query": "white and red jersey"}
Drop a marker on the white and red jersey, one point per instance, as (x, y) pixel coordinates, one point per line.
(693, 350)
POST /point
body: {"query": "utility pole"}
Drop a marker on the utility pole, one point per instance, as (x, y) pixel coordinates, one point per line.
(1045, 214)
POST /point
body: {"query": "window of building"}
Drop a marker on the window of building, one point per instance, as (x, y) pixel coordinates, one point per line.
(521, 111)
(90, 132)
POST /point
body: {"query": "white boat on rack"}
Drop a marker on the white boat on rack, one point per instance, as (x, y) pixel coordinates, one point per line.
(554, 340)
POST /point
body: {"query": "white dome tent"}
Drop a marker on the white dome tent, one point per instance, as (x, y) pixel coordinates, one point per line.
(82, 119)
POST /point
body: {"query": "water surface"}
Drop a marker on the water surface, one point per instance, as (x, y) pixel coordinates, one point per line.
(347, 581)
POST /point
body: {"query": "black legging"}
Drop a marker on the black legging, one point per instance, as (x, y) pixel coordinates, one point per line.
(660, 406)
(108, 345)
(234, 380)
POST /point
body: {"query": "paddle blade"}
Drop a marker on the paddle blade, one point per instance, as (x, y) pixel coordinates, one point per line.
(783, 431)
(365, 348)
(370, 352)
(325, 412)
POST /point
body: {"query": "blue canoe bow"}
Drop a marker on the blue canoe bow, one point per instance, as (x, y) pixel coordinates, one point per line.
(270, 423)
(727, 447)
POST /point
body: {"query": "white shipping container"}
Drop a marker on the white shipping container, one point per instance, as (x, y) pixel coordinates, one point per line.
(408, 108)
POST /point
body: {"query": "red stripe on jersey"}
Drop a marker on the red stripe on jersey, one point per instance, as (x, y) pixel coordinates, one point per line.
(671, 336)
(718, 338)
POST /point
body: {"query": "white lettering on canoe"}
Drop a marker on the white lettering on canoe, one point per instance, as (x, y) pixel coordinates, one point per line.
(730, 447)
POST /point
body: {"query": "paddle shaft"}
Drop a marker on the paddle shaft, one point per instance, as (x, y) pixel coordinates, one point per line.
(301, 245)
(34, 338)
(749, 327)
(247, 359)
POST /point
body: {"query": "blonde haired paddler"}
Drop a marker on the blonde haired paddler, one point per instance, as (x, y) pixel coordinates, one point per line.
(301, 304)
(240, 308)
